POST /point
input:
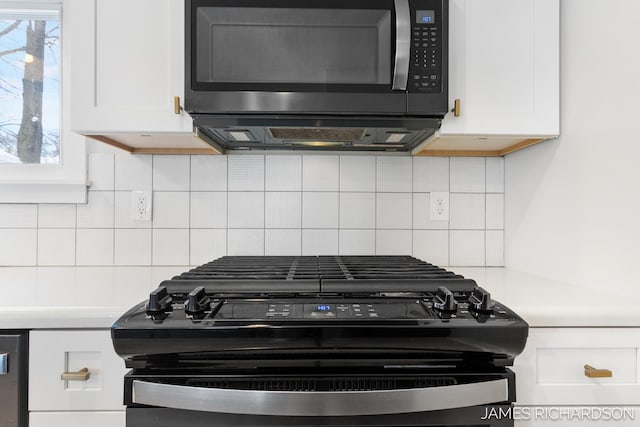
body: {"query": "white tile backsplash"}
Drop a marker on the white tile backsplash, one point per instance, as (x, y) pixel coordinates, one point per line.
(171, 173)
(358, 210)
(56, 246)
(394, 211)
(170, 209)
(394, 174)
(320, 173)
(209, 206)
(320, 210)
(283, 173)
(283, 242)
(467, 175)
(246, 209)
(18, 216)
(246, 173)
(283, 209)
(358, 173)
(208, 173)
(209, 209)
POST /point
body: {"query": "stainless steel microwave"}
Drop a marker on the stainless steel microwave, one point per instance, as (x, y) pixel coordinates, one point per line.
(315, 63)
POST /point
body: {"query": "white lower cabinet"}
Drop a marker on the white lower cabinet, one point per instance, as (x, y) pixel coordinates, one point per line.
(75, 378)
(552, 385)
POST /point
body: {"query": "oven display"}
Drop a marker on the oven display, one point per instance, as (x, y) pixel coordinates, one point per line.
(425, 16)
(323, 308)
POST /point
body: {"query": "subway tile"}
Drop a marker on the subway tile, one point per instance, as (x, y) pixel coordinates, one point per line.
(466, 211)
(133, 247)
(101, 171)
(393, 242)
(208, 210)
(320, 173)
(171, 173)
(495, 212)
(207, 245)
(495, 248)
(319, 242)
(245, 242)
(246, 173)
(56, 216)
(394, 174)
(467, 175)
(394, 211)
(283, 242)
(98, 212)
(283, 173)
(357, 173)
(320, 210)
(170, 209)
(495, 174)
(357, 210)
(133, 172)
(94, 246)
(246, 209)
(422, 214)
(283, 209)
(357, 242)
(431, 246)
(430, 174)
(18, 247)
(466, 248)
(18, 216)
(170, 247)
(208, 173)
(56, 246)
(123, 212)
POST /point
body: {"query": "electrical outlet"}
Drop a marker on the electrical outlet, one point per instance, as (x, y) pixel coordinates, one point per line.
(141, 205)
(439, 206)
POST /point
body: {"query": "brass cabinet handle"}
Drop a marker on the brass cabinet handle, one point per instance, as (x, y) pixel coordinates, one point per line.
(82, 375)
(177, 109)
(456, 108)
(591, 372)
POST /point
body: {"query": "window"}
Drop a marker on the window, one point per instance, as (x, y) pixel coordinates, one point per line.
(41, 160)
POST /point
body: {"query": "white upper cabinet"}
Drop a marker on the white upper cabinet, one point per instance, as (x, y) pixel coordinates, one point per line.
(504, 72)
(127, 67)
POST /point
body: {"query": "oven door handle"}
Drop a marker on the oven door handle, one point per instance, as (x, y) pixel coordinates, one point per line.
(319, 403)
(403, 44)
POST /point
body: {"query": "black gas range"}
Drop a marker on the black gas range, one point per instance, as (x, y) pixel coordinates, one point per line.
(329, 340)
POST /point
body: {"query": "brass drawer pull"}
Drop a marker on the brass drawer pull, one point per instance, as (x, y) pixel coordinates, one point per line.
(456, 108)
(177, 108)
(592, 372)
(82, 375)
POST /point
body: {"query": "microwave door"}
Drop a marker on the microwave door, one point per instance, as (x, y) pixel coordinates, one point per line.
(403, 45)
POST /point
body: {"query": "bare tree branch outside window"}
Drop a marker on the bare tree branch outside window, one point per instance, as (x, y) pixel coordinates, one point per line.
(29, 88)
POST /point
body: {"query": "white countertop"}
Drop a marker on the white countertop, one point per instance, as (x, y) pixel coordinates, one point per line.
(94, 297)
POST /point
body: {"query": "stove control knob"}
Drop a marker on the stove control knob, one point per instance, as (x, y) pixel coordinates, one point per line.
(444, 300)
(480, 300)
(159, 300)
(197, 301)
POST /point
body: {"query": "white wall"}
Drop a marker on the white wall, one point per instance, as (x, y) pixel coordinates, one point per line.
(573, 205)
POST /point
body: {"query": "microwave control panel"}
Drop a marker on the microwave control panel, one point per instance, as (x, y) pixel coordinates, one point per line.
(425, 67)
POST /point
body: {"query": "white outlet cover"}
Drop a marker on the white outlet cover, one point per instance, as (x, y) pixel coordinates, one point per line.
(439, 206)
(141, 205)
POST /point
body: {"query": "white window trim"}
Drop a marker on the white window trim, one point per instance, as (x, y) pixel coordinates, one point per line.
(63, 183)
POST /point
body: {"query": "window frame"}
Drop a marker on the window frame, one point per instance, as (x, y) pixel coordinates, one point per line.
(65, 182)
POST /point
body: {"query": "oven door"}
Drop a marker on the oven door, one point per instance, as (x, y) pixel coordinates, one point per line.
(368, 400)
(310, 57)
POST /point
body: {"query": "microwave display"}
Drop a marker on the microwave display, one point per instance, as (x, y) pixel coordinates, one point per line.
(425, 16)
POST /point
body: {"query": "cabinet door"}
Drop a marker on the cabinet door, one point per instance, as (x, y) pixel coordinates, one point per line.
(52, 353)
(127, 65)
(77, 419)
(504, 67)
(551, 370)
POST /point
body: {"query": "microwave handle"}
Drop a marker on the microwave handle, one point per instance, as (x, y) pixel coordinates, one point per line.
(403, 44)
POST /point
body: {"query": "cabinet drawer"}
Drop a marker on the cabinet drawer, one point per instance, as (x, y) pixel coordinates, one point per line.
(53, 353)
(551, 370)
(77, 419)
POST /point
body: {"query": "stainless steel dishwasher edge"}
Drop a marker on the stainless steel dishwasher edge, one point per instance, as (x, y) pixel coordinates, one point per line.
(13, 378)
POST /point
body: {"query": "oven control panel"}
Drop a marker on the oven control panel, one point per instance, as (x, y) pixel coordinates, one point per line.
(425, 66)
